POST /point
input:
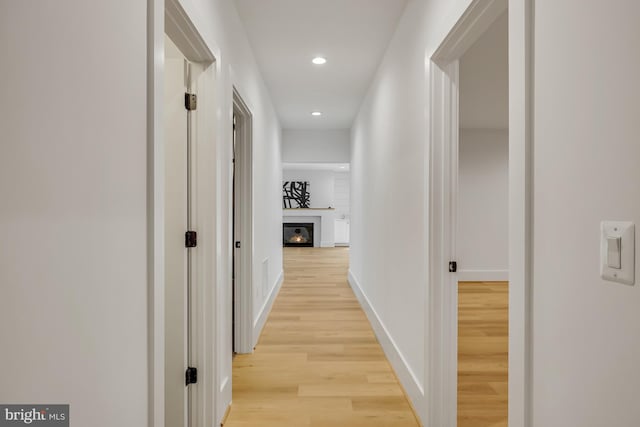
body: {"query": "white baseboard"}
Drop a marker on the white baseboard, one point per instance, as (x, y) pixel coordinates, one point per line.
(327, 244)
(408, 380)
(483, 275)
(258, 324)
(224, 399)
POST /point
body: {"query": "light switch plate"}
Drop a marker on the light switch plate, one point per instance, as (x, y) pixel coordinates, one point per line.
(626, 232)
(614, 252)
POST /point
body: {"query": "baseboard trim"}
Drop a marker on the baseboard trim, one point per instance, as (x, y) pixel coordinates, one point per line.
(483, 275)
(224, 399)
(408, 380)
(225, 416)
(260, 321)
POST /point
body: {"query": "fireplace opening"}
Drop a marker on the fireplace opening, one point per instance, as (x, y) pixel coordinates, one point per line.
(297, 235)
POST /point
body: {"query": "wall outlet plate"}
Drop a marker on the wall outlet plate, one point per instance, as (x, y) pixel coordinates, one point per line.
(626, 232)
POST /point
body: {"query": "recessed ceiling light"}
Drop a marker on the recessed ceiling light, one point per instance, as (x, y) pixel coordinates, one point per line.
(316, 113)
(319, 60)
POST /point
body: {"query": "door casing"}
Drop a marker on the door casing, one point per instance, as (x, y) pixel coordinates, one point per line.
(177, 256)
(168, 17)
(442, 301)
(244, 341)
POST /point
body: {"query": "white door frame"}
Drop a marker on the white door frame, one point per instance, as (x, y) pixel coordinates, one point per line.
(243, 321)
(169, 17)
(442, 298)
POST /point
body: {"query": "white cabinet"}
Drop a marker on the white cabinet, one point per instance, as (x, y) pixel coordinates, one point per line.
(342, 232)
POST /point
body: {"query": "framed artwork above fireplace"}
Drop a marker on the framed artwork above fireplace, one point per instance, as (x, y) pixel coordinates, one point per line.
(295, 195)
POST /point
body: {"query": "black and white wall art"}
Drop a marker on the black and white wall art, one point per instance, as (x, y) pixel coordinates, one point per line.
(295, 195)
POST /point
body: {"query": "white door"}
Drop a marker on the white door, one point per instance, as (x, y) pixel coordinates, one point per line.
(177, 276)
(342, 231)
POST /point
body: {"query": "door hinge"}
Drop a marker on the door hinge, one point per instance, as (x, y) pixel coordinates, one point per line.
(453, 267)
(190, 101)
(191, 377)
(191, 239)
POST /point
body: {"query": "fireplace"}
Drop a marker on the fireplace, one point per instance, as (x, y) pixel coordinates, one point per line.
(297, 235)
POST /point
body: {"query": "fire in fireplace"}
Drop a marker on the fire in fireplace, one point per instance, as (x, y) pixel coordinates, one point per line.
(297, 234)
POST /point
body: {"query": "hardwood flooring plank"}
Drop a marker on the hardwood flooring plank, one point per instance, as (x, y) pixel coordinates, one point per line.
(483, 345)
(318, 362)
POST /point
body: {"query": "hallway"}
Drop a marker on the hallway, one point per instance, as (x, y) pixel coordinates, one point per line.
(318, 362)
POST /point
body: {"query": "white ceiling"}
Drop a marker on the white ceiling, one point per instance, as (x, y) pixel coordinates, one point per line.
(287, 34)
(484, 80)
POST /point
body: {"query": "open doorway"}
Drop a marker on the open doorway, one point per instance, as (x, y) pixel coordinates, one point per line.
(481, 247)
(184, 153)
(450, 259)
(316, 204)
(242, 228)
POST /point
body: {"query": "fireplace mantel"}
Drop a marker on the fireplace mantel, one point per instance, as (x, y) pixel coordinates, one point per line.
(309, 209)
(324, 218)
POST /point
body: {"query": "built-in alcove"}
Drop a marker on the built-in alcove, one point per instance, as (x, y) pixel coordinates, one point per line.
(319, 193)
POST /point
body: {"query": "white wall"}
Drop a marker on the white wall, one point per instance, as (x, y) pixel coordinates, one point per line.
(342, 194)
(327, 188)
(321, 185)
(484, 79)
(316, 146)
(586, 342)
(389, 167)
(73, 217)
(483, 199)
(73, 168)
(586, 338)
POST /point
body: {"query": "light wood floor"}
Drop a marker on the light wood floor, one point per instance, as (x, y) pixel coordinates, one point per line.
(483, 345)
(318, 362)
